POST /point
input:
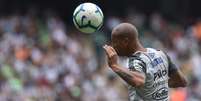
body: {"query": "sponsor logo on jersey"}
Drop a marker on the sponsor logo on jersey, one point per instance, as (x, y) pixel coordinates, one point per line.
(156, 61)
(160, 94)
(160, 73)
(160, 83)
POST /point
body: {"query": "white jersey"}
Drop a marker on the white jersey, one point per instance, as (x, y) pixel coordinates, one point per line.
(155, 65)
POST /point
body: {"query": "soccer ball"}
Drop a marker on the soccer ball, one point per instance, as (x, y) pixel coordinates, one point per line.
(88, 17)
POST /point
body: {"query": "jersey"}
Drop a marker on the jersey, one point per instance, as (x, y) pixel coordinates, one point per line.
(156, 66)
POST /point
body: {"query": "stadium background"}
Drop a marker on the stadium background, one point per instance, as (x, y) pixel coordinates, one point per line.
(44, 58)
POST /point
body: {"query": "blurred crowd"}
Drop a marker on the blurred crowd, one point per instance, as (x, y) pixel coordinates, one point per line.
(43, 59)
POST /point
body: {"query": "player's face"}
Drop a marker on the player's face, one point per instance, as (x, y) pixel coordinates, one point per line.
(120, 46)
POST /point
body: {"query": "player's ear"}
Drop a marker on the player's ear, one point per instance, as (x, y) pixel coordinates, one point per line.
(126, 42)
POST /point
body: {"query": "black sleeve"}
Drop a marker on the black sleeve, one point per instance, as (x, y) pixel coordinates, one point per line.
(172, 67)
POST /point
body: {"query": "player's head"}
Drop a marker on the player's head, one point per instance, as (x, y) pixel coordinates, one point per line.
(125, 39)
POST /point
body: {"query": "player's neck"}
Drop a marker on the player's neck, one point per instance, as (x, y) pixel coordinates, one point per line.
(141, 48)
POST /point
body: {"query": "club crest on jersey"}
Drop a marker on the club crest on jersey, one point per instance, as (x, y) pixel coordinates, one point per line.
(151, 55)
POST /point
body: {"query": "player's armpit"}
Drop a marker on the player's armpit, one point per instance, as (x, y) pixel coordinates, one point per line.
(133, 78)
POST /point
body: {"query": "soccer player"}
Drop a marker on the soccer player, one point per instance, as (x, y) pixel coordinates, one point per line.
(150, 72)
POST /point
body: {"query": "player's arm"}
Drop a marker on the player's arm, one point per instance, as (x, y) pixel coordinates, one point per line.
(133, 78)
(176, 78)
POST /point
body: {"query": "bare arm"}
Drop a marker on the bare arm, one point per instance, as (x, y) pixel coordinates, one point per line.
(133, 78)
(176, 78)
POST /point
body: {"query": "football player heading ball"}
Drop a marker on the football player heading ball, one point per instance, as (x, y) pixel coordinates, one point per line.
(150, 72)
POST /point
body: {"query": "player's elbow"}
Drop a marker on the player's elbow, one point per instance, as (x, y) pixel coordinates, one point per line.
(179, 83)
(184, 83)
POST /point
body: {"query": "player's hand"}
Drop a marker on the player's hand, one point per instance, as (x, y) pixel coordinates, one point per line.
(111, 55)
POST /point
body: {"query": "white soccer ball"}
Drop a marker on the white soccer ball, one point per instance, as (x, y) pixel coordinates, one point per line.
(88, 17)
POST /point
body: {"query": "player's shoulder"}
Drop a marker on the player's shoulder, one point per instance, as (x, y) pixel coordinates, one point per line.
(139, 57)
(152, 52)
(157, 54)
(143, 55)
(147, 56)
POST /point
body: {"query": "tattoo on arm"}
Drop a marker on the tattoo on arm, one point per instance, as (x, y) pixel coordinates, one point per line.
(125, 76)
(133, 78)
